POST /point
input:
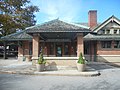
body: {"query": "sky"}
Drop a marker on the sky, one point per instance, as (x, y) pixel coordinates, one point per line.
(75, 11)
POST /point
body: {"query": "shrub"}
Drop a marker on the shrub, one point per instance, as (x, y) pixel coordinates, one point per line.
(81, 60)
(41, 60)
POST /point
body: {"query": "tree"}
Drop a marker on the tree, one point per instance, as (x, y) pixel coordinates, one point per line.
(17, 14)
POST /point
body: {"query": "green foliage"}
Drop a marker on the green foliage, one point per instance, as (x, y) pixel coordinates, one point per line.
(17, 14)
(81, 60)
(20, 43)
(41, 60)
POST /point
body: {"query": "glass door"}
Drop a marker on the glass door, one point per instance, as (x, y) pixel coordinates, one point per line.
(58, 50)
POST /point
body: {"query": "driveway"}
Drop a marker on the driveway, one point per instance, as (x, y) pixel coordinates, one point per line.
(107, 81)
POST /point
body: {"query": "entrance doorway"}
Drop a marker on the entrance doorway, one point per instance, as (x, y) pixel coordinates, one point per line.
(58, 50)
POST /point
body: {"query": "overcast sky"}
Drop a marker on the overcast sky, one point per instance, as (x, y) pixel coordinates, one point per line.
(75, 10)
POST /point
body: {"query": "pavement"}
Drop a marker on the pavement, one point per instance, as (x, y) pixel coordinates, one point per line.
(12, 66)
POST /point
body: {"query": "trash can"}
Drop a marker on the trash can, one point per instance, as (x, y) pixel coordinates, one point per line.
(24, 58)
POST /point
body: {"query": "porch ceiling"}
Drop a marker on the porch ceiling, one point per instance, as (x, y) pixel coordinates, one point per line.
(58, 35)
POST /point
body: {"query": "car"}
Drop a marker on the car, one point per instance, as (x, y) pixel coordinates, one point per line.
(8, 52)
(1, 51)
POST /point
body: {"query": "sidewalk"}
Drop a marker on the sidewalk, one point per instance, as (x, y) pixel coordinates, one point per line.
(69, 73)
(15, 67)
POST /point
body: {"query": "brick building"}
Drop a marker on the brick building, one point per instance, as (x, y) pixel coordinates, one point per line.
(62, 42)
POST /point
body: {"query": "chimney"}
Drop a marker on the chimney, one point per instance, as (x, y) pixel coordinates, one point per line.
(92, 18)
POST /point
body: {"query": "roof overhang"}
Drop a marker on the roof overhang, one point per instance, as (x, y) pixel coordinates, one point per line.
(18, 36)
(101, 37)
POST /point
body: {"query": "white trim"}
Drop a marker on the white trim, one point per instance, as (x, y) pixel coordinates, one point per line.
(20, 55)
(35, 58)
(116, 20)
(58, 58)
(111, 19)
(102, 26)
(61, 58)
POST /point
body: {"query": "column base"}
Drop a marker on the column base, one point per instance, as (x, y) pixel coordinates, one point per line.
(34, 60)
(20, 58)
(28, 58)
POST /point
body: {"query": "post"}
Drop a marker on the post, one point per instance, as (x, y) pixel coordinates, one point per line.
(27, 50)
(80, 46)
(35, 47)
(20, 51)
(4, 55)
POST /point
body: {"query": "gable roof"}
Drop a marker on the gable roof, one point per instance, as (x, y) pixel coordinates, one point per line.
(22, 35)
(110, 19)
(57, 26)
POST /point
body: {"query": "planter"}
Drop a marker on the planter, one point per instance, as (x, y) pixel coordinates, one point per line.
(81, 67)
(40, 67)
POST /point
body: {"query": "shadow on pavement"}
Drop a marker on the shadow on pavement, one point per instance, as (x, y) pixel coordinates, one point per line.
(101, 65)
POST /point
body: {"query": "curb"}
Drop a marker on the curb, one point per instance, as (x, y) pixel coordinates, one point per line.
(85, 74)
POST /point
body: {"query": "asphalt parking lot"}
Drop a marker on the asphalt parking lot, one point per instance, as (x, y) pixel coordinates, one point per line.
(108, 80)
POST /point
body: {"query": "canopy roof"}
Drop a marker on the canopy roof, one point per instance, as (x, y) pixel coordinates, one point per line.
(101, 37)
(55, 29)
(57, 26)
(22, 35)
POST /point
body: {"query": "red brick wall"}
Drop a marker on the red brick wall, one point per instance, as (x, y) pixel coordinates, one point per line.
(92, 47)
(35, 45)
(20, 51)
(80, 45)
(108, 52)
(26, 47)
(103, 51)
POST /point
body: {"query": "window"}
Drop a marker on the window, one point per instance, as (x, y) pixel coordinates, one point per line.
(30, 45)
(107, 31)
(115, 31)
(106, 44)
(103, 31)
(66, 49)
(41, 48)
(86, 47)
(116, 44)
(51, 48)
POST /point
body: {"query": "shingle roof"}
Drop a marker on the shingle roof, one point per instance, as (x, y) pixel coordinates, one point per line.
(101, 37)
(22, 35)
(57, 26)
(86, 24)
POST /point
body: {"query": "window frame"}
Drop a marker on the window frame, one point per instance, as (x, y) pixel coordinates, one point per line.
(107, 31)
(115, 30)
(51, 48)
(117, 44)
(66, 49)
(105, 44)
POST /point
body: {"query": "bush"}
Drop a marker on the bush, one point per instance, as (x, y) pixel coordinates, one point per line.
(41, 60)
(81, 60)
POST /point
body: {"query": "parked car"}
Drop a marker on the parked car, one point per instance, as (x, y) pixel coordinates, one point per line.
(8, 52)
(1, 50)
